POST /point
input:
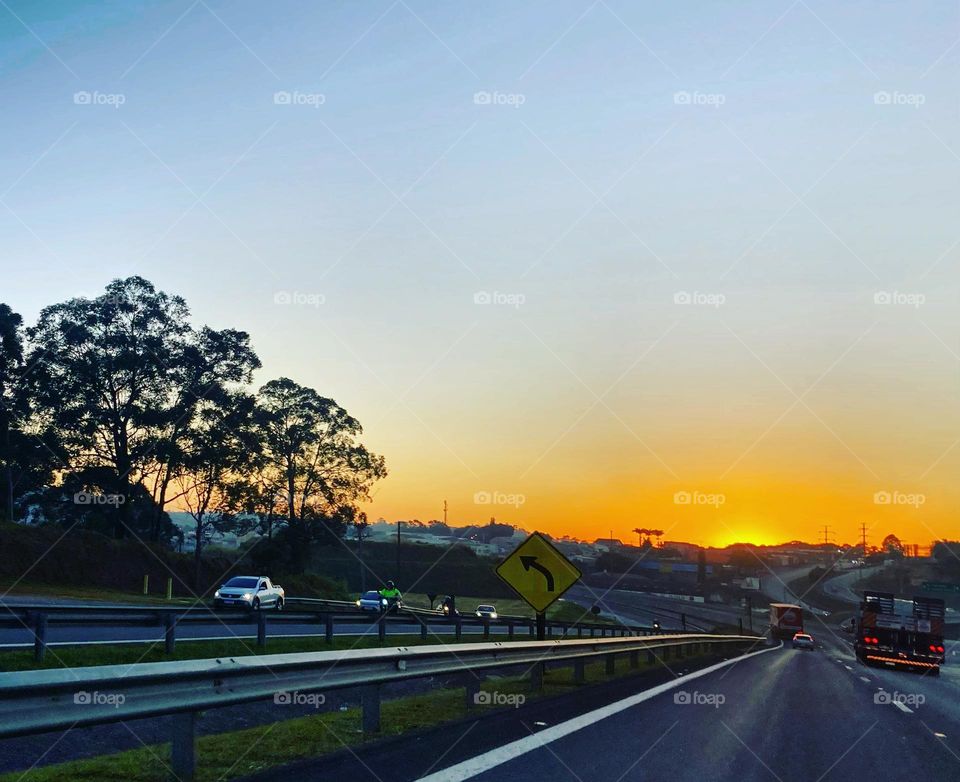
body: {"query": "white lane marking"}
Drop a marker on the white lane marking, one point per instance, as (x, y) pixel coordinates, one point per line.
(848, 667)
(903, 707)
(500, 755)
(940, 735)
(864, 679)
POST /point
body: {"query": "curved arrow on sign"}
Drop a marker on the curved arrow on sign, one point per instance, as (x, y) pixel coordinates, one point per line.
(531, 562)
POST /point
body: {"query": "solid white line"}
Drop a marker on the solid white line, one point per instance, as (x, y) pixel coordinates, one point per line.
(499, 755)
(864, 679)
(903, 707)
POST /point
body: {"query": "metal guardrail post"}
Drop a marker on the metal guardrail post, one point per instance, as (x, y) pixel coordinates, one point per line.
(579, 631)
(579, 672)
(533, 630)
(536, 676)
(261, 628)
(423, 629)
(370, 706)
(486, 629)
(382, 629)
(169, 589)
(510, 630)
(183, 745)
(328, 628)
(458, 629)
(39, 637)
(169, 633)
(473, 689)
(146, 585)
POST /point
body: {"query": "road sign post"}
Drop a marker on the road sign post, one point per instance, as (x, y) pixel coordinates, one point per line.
(539, 574)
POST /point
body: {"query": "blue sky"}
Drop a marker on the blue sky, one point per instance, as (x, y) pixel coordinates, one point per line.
(795, 159)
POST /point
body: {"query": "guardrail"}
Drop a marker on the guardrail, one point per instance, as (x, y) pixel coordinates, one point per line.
(328, 613)
(41, 701)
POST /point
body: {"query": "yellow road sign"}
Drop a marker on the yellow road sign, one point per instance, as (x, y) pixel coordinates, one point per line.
(537, 572)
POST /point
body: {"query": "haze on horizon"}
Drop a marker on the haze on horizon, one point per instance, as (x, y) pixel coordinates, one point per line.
(579, 266)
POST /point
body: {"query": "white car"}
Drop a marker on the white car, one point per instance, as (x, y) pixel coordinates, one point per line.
(373, 602)
(251, 592)
(803, 641)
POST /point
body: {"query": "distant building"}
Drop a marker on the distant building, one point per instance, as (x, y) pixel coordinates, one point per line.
(607, 544)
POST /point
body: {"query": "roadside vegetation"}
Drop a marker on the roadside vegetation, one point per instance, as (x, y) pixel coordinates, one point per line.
(239, 753)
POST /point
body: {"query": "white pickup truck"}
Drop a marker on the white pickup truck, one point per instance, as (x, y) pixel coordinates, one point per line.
(252, 592)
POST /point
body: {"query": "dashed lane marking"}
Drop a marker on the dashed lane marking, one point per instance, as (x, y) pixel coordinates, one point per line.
(903, 707)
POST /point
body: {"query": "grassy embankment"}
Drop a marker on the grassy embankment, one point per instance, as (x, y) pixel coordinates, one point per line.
(238, 753)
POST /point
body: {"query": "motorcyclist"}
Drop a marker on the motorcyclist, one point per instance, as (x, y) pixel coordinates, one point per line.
(391, 594)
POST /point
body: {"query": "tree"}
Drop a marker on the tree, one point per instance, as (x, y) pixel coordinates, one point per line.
(891, 544)
(641, 531)
(311, 453)
(29, 452)
(215, 452)
(122, 376)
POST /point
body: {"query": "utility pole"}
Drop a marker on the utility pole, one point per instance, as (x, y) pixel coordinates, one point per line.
(863, 539)
(396, 575)
(444, 512)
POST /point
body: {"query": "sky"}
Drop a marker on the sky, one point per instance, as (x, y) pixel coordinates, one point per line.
(579, 266)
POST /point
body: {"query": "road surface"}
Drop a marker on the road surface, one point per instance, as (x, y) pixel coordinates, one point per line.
(782, 715)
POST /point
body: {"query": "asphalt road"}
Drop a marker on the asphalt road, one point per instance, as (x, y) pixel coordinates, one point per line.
(783, 715)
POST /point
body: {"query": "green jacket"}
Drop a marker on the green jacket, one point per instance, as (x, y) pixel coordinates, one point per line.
(391, 594)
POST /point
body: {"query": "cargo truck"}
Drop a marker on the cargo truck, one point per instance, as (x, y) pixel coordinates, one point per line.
(786, 620)
(905, 634)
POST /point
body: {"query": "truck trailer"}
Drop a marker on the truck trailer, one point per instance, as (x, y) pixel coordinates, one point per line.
(905, 634)
(786, 620)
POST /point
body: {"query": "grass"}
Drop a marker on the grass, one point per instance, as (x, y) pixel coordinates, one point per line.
(105, 654)
(92, 593)
(238, 753)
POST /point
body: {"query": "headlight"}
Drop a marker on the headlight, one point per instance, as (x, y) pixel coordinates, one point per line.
(384, 601)
(358, 604)
(217, 593)
(493, 615)
(247, 595)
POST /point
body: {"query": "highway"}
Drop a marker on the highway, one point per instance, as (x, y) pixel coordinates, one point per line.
(783, 715)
